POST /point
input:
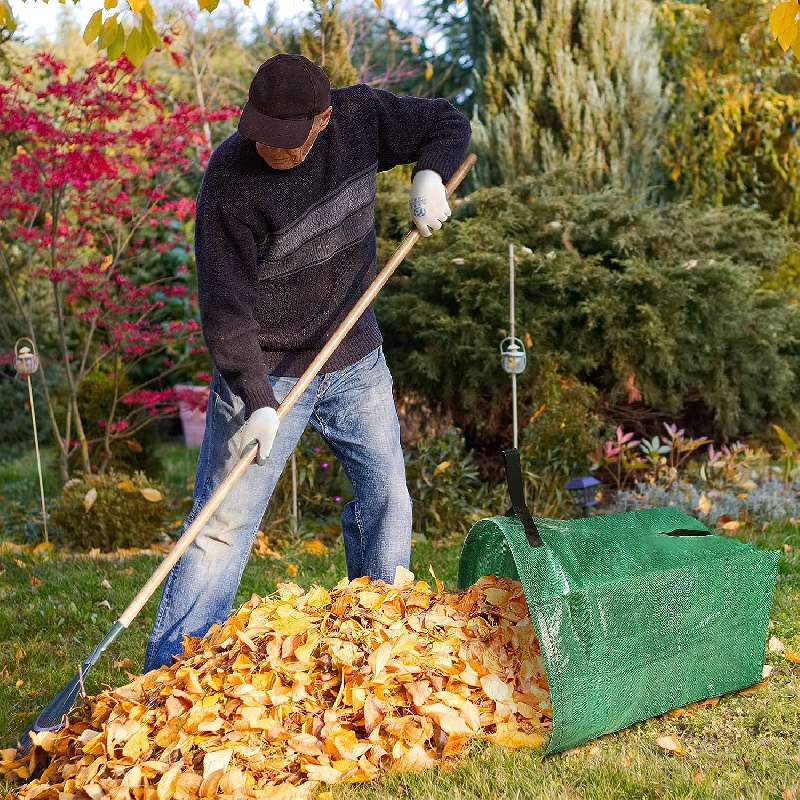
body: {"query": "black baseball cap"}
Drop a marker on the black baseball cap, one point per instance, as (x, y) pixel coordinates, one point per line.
(287, 92)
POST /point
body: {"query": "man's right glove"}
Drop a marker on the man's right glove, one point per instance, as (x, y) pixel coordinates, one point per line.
(261, 427)
(428, 202)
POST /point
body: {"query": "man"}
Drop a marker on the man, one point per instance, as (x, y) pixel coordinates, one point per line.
(285, 245)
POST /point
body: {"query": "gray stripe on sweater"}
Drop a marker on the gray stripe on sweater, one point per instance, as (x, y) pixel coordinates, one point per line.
(338, 222)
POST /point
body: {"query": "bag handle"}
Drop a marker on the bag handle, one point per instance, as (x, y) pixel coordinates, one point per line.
(519, 508)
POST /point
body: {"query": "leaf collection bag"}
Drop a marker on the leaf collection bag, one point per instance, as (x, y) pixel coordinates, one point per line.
(636, 613)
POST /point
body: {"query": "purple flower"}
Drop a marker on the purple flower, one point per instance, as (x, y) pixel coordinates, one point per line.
(325, 465)
(337, 499)
(317, 449)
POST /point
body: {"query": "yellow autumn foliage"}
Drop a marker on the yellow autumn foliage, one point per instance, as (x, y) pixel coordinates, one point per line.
(302, 688)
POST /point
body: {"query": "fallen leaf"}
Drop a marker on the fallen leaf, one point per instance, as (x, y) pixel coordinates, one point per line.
(670, 744)
(153, 495)
(90, 497)
(793, 657)
(775, 645)
(754, 689)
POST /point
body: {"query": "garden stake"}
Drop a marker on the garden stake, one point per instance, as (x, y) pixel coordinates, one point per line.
(54, 716)
(27, 362)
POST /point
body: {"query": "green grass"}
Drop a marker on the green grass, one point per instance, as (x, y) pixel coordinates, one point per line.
(53, 612)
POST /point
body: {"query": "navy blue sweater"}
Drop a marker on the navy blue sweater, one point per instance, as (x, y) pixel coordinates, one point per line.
(283, 255)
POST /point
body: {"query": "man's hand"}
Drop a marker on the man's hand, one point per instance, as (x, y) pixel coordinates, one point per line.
(261, 427)
(428, 202)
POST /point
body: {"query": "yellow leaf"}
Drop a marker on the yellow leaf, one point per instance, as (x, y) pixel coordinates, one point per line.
(670, 744)
(136, 745)
(441, 468)
(93, 28)
(216, 760)
(496, 688)
(291, 570)
(782, 23)
(413, 760)
(793, 657)
(88, 500)
(168, 783)
(153, 495)
(106, 262)
(316, 547)
(126, 486)
(137, 5)
(402, 577)
(703, 505)
(428, 70)
(732, 525)
(515, 739)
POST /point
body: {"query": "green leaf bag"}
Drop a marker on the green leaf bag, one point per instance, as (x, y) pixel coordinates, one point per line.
(636, 613)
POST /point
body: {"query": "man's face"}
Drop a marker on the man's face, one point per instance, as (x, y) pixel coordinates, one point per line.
(283, 158)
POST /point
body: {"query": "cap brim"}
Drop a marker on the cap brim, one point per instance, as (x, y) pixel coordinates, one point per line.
(273, 132)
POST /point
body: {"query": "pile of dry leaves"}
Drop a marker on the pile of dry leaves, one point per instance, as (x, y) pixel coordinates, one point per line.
(306, 687)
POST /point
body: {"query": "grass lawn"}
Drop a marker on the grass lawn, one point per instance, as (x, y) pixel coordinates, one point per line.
(54, 609)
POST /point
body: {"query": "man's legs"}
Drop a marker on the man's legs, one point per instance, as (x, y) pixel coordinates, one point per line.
(356, 415)
(201, 587)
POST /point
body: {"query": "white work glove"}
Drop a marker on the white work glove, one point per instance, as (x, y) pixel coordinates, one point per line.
(428, 202)
(261, 427)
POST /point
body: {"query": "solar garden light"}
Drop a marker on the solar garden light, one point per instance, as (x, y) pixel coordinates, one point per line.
(583, 492)
(26, 362)
(512, 351)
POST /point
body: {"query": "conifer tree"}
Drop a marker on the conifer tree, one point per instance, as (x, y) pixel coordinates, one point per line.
(566, 83)
(327, 42)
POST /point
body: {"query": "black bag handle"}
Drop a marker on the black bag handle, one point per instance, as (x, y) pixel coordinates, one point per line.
(519, 508)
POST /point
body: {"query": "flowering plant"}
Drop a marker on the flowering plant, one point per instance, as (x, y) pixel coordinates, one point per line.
(94, 242)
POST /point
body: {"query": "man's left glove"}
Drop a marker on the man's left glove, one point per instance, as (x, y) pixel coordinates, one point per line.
(261, 427)
(428, 202)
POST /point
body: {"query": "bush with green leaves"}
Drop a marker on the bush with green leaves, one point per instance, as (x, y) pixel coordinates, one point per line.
(109, 512)
(558, 429)
(445, 486)
(667, 307)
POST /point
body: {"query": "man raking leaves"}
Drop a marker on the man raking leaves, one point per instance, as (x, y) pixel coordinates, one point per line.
(285, 245)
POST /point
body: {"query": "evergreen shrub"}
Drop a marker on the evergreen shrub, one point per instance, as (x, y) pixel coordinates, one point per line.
(667, 307)
(108, 512)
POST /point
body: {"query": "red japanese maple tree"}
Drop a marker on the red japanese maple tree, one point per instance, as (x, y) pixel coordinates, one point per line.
(93, 209)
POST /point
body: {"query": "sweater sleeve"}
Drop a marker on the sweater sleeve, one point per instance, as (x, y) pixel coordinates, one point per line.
(226, 256)
(430, 132)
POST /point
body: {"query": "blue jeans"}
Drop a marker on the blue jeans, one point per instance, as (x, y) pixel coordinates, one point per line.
(354, 411)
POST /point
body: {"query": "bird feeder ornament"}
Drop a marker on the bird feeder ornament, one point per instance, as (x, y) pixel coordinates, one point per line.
(26, 362)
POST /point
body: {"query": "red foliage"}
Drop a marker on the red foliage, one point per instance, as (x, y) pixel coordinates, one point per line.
(88, 201)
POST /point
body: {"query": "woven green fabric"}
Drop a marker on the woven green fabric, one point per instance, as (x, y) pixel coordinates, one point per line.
(631, 622)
